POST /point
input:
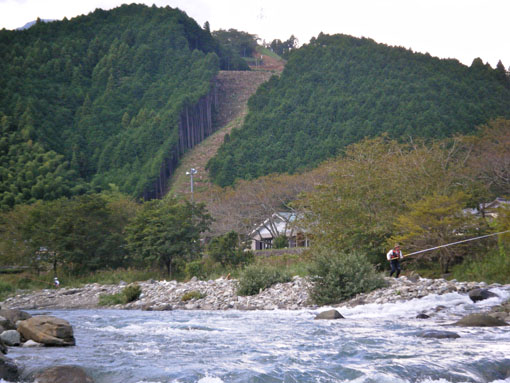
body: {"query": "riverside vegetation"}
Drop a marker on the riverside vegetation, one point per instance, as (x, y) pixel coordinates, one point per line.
(164, 235)
(72, 172)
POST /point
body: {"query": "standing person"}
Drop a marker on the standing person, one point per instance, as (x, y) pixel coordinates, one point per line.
(56, 282)
(394, 256)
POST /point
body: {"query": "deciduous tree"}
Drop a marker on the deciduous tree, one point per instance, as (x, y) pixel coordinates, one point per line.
(163, 231)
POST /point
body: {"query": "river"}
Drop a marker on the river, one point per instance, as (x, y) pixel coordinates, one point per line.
(374, 343)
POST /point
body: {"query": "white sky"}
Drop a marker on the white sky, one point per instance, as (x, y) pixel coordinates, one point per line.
(461, 29)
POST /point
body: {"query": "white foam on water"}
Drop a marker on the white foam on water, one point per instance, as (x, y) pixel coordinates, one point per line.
(458, 303)
(383, 378)
(210, 379)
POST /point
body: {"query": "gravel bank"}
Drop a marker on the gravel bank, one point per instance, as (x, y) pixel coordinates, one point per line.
(220, 294)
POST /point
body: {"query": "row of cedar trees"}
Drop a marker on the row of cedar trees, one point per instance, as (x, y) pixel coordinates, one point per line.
(122, 79)
(377, 192)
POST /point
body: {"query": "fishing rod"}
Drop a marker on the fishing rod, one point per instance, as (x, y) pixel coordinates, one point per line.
(456, 243)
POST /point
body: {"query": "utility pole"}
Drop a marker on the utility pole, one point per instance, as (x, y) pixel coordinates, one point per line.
(191, 173)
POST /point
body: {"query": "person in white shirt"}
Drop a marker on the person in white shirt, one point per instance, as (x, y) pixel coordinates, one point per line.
(394, 256)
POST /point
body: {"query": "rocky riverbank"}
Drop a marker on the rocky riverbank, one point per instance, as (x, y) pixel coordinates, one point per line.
(220, 294)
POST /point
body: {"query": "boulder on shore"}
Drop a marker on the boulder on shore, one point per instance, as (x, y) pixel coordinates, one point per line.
(63, 374)
(477, 295)
(480, 320)
(329, 314)
(48, 330)
(8, 369)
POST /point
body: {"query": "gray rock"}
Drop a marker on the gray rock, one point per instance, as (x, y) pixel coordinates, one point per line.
(63, 374)
(8, 369)
(11, 338)
(438, 334)
(480, 320)
(4, 322)
(422, 316)
(477, 295)
(413, 277)
(329, 314)
(12, 316)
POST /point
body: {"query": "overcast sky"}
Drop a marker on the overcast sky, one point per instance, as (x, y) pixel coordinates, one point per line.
(461, 29)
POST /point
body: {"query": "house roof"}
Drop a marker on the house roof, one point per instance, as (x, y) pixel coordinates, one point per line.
(281, 221)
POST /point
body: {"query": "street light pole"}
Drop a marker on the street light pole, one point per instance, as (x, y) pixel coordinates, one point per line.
(191, 173)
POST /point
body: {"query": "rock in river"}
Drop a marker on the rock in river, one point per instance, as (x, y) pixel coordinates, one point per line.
(438, 334)
(47, 329)
(481, 294)
(63, 374)
(8, 369)
(480, 320)
(329, 314)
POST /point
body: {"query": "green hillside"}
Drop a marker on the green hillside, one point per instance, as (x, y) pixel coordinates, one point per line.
(338, 89)
(97, 100)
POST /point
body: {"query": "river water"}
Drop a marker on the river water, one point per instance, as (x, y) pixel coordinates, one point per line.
(374, 343)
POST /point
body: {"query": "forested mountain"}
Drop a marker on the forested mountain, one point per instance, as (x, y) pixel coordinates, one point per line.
(105, 98)
(339, 89)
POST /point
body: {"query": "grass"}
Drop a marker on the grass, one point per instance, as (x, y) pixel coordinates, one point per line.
(294, 264)
(493, 267)
(268, 52)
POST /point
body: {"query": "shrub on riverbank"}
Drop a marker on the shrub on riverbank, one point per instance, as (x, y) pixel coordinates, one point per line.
(339, 276)
(193, 294)
(255, 278)
(129, 294)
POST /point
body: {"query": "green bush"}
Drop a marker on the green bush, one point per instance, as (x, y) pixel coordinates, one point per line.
(195, 269)
(193, 294)
(339, 276)
(281, 242)
(228, 250)
(257, 277)
(129, 294)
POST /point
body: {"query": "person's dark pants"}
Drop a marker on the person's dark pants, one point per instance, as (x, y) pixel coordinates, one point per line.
(395, 267)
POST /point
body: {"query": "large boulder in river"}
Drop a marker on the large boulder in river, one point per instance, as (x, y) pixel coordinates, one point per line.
(8, 369)
(329, 314)
(12, 316)
(48, 330)
(480, 320)
(63, 374)
(477, 295)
